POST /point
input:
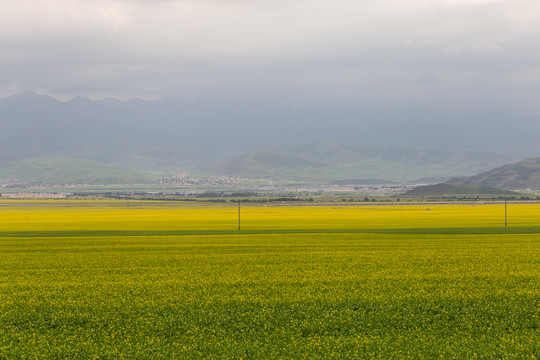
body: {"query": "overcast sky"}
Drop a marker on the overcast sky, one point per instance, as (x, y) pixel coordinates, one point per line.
(463, 54)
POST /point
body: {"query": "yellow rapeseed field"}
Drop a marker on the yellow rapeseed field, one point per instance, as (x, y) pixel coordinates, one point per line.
(158, 280)
(137, 215)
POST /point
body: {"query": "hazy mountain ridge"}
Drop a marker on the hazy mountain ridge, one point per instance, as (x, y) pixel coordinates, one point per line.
(521, 175)
(169, 134)
(329, 153)
(338, 162)
(177, 130)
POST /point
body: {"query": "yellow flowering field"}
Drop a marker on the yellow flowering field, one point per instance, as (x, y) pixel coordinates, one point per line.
(158, 280)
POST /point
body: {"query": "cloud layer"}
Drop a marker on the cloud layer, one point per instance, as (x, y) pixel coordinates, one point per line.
(473, 54)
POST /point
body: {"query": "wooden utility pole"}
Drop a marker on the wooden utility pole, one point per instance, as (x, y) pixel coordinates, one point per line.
(238, 214)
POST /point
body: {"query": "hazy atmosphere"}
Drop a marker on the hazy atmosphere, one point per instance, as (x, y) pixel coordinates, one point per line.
(473, 55)
(270, 179)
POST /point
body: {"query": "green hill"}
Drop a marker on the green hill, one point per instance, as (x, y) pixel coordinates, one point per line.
(268, 162)
(520, 175)
(443, 189)
(68, 171)
(331, 162)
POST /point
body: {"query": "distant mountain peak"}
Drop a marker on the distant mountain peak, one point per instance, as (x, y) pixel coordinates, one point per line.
(30, 95)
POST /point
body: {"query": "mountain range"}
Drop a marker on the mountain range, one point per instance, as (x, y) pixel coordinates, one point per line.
(214, 137)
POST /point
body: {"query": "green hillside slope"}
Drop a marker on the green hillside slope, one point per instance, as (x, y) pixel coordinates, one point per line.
(68, 171)
(337, 162)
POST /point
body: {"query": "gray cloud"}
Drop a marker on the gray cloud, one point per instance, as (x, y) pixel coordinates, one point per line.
(297, 50)
(426, 78)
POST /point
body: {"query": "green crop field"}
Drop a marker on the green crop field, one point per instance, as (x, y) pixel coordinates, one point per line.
(156, 280)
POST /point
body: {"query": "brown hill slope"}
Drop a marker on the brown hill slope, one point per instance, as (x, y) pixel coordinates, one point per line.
(524, 174)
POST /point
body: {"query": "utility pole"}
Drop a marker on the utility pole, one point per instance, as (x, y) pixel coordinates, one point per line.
(505, 214)
(238, 214)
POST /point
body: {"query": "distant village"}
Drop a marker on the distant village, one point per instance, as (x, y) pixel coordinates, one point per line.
(188, 185)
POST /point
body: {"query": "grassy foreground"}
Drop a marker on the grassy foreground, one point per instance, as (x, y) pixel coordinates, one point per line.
(120, 280)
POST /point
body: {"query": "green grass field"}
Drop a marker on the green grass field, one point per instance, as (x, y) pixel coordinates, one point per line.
(141, 280)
